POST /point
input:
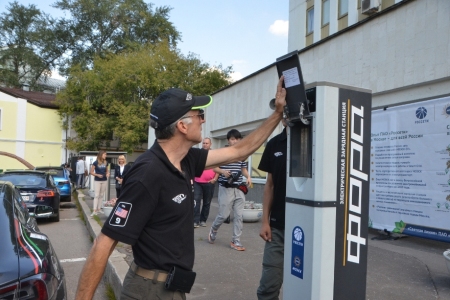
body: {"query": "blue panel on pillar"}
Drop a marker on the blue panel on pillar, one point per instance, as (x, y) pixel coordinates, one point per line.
(298, 250)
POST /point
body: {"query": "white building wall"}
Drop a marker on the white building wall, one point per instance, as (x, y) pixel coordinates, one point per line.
(297, 25)
(405, 48)
(317, 20)
(352, 12)
(333, 17)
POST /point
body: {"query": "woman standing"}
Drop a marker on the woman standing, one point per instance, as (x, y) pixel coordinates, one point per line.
(120, 170)
(100, 171)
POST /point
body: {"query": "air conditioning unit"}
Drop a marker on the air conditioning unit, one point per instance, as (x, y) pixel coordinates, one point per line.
(369, 7)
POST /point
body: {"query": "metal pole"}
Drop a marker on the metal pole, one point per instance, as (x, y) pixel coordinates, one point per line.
(108, 189)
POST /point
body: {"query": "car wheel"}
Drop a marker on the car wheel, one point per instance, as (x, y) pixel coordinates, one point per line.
(56, 218)
(66, 199)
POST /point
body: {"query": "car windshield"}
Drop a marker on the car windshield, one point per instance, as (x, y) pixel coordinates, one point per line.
(53, 171)
(37, 180)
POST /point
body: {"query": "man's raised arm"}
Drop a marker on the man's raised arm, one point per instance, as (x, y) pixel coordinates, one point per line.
(254, 140)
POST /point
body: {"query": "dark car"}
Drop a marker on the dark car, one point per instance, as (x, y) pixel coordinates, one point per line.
(38, 190)
(29, 267)
(62, 181)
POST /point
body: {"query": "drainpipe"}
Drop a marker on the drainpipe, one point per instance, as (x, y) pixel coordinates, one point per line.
(67, 130)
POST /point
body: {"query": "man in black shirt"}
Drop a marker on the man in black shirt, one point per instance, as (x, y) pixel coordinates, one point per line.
(273, 161)
(155, 210)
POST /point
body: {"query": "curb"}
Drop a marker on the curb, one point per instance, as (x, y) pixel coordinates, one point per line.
(117, 267)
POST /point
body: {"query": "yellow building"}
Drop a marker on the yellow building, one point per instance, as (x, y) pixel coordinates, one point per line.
(31, 129)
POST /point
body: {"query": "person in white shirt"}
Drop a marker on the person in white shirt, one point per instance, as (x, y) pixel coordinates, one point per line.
(81, 168)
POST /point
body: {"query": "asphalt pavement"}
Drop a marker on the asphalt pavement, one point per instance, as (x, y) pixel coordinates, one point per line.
(405, 268)
(71, 247)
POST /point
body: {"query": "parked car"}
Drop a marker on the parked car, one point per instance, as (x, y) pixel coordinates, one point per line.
(61, 179)
(29, 266)
(39, 192)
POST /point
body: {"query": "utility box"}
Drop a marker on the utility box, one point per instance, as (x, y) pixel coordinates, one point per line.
(369, 7)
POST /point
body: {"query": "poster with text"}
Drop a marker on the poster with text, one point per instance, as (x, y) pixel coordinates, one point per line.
(410, 169)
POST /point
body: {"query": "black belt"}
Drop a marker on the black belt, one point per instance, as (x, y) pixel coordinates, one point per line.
(228, 186)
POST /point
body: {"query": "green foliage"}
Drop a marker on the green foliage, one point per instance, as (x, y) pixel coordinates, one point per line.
(111, 26)
(113, 99)
(31, 43)
(399, 227)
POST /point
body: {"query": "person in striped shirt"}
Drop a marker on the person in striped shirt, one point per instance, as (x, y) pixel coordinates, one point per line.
(230, 197)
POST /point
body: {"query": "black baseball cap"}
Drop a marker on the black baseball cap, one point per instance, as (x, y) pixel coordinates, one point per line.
(173, 104)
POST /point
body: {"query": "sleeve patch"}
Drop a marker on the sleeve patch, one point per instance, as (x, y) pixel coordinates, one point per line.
(120, 215)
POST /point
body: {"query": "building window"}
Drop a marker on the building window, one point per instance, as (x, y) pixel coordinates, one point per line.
(343, 8)
(253, 163)
(325, 12)
(310, 21)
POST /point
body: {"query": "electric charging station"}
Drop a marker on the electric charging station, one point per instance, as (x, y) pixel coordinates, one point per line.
(327, 187)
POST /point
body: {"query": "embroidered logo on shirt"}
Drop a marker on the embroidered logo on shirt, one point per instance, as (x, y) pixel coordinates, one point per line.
(180, 198)
(120, 216)
(278, 154)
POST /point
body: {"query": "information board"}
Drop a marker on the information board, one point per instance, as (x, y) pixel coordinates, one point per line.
(410, 169)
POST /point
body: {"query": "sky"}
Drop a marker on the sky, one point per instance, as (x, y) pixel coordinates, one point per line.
(245, 34)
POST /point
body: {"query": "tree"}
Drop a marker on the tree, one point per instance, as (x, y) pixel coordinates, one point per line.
(112, 26)
(114, 98)
(31, 43)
